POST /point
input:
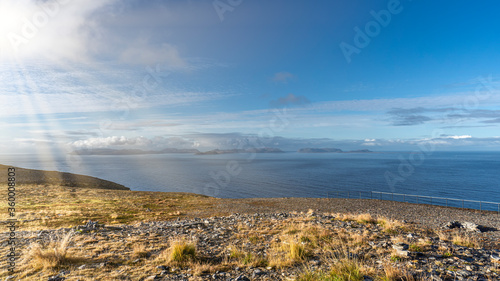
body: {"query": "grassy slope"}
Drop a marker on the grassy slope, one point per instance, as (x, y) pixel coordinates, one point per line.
(28, 176)
(47, 199)
(60, 200)
(53, 206)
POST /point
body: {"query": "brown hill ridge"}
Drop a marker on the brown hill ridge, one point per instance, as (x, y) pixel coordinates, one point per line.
(37, 177)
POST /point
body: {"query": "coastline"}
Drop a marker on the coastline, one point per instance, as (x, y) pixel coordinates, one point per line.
(101, 221)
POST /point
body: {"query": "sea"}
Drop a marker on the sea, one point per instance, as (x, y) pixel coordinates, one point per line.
(421, 177)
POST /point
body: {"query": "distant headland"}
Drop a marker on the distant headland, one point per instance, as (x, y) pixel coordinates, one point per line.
(251, 150)
(109, 151)
(331, 150)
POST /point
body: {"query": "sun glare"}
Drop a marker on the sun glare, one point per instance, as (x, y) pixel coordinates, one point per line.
(11, 23)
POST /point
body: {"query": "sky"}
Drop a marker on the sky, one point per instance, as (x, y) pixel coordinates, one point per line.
(378, 75)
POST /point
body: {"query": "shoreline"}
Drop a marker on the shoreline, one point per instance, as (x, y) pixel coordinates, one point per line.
(256, 246)
(400, 210)
(129, 235)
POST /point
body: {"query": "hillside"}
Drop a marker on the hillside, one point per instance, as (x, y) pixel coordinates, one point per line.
(69, 232)
(38, 177)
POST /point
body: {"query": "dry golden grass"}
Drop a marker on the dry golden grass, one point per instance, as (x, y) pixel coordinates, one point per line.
(390, 226)
(200, 268)
(360, 238)
(398, 239)
(296, 251)
(46, 206)
(343, 267)
(284, 255)
(392, 273)
(291, 242)
(51, 257)
(444, 236)
(180, 251)
(345, 217)
(365, 218)
(422, 245)
(139, 250)
(466, 241)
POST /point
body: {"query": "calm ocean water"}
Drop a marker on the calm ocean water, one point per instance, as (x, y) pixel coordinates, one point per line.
(463, 175)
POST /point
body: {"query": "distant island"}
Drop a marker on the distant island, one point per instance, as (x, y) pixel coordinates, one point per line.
(331, 150)
(108, 151)
(250, 150)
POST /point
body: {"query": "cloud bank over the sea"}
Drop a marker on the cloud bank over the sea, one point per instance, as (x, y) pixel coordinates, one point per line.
(242, 141)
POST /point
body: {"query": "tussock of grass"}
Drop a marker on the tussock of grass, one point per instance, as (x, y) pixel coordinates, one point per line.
(465, 241)
(365, 218)
(54, 256)
(287, 253)
(415, 248)
(180, 251)
(347, 269)
(392, 273)
(390, 226)
(236, 253)
(345, 217)
(297, 251)
(139, 250)
(241, 258)
(342, 270)
(443, 236)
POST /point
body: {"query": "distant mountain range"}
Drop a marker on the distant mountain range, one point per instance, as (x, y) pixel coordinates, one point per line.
(109, 151)
(331, 150)
(250, 150)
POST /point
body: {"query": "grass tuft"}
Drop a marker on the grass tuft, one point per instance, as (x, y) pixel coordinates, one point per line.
(365, 218)
(462, 240)
(392, 273)
(390, 226)
(53, 256)
(139, 251)
(297, 251)
(180, 251)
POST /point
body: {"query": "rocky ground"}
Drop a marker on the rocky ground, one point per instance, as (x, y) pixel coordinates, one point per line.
(183, 236)
(274, 246)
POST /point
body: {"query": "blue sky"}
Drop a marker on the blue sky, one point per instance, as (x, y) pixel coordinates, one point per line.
(215, 74)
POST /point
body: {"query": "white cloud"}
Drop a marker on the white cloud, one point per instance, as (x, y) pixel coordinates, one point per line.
(54, 29)
(110, 141)
(459, 137)
(154, 143)
(78, 30)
